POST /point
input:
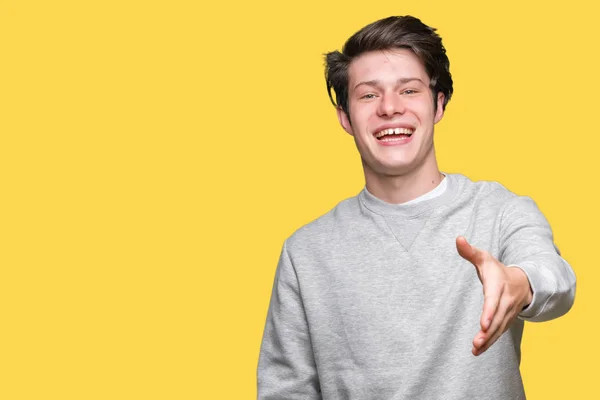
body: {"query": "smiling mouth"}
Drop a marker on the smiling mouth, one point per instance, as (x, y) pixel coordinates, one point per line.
(393, 134)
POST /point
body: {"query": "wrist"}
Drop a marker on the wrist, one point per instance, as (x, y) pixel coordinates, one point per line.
(523, 282)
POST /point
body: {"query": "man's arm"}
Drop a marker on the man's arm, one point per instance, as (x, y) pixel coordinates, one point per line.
(529, 280)
(526, 241)
(286, 366)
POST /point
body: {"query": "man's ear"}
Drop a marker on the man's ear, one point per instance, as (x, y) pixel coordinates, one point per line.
(344, 120)
(439, 112)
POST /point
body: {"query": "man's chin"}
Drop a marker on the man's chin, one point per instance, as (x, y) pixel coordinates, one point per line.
(392, 169)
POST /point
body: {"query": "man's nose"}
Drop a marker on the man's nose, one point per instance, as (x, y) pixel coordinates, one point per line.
(391, 104)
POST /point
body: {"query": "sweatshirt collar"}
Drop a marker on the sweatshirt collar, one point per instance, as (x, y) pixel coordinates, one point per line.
(410, 210)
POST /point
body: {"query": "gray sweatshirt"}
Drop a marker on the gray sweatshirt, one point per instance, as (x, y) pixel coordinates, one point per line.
(372, 300)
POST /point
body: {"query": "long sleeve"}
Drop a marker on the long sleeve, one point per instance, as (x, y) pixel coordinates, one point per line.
(527, 242)
(286, 366)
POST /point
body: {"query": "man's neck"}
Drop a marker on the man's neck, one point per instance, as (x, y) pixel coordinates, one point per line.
(398, 189)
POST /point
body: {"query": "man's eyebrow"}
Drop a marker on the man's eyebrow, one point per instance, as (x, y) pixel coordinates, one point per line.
(377, 83)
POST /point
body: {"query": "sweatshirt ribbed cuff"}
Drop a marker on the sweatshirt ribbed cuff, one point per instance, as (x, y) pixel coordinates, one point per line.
(541, 292)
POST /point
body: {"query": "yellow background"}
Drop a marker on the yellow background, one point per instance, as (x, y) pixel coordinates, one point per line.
(155, 154)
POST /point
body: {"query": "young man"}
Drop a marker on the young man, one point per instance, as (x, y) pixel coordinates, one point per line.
(417, 288)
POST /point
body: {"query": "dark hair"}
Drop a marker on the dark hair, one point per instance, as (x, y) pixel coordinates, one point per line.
(389, 33)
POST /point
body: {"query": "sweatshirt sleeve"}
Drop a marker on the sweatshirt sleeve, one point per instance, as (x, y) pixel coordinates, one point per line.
(526, 241)
(286, 366)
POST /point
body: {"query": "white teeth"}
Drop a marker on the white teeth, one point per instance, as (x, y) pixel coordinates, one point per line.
(394, 131)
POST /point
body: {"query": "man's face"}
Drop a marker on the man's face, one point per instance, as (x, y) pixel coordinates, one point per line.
(391, 111)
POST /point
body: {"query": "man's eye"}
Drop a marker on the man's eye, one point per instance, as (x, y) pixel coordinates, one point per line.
(368, 96)
(409, 91)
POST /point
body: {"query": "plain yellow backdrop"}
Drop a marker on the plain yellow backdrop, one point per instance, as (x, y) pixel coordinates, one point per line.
(154, 155)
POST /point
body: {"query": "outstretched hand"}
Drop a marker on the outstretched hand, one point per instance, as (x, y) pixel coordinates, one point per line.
(506, 292)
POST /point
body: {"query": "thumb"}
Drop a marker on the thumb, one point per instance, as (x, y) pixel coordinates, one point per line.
(468, 252)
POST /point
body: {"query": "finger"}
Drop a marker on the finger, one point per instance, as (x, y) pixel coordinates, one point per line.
(491, 317)
(505, 315)
(468, 252)
(491, 302)
(486, 345)
(485, 335)
(478, 341)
